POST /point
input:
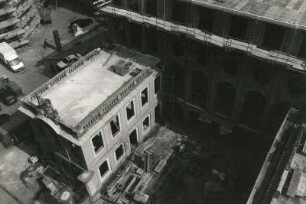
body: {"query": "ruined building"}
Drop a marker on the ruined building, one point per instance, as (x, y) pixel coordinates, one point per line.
(235, 65)
(282, 177)
(232, 63)
(18, 19)
(90, 115)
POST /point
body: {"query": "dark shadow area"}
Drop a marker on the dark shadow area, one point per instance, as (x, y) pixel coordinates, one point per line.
(302, 50)
(236, 155)
(262, 73)
(238, 27)
(273, 37)
(297, 87)
(80, 7)
(136, 35)
(199, 88)
(205, 22)
(151, 7)
(252, 109)
(278, 113)
(177, 74)
(179, 11)
(224, 100)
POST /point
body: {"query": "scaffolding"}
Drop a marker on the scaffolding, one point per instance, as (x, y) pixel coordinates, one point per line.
(195, 33)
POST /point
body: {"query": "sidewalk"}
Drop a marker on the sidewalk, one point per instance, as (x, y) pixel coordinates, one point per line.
(6, 198)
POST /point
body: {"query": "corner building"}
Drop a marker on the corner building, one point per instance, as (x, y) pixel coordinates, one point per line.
(90, 116)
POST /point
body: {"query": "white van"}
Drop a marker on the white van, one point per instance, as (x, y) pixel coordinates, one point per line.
(8, 56)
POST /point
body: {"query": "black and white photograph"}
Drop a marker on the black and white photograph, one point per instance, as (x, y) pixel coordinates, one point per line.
(152, 102)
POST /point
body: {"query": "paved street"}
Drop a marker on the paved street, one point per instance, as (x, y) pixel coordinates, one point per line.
(13, 160)
(34, 74)
(6, 198)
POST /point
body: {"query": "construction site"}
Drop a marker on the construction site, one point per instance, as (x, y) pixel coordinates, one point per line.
(166, 101)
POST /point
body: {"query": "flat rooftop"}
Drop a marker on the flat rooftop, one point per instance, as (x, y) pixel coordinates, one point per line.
(76, 93)
(76, 96)
(289, 12)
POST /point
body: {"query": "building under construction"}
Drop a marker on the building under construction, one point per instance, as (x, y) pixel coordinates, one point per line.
(230, 72)
(18, 19)
(233, 63)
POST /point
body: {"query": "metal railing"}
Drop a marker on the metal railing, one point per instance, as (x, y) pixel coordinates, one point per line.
(220, 41)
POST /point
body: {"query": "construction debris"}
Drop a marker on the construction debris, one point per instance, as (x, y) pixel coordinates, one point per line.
(145, 168)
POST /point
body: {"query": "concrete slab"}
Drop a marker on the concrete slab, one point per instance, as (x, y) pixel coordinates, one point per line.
(80, 93)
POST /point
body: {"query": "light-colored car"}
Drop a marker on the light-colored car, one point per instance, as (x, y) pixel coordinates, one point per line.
(10, 58)
(69, 60)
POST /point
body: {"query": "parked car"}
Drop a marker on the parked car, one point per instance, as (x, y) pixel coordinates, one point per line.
(81, 22)
(10, 58)
(4, 118)
(8, 97)
(67, 61)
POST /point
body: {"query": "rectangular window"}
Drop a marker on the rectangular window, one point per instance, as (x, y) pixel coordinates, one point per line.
(104, 168)
(157, 84)
(115, 125)
(119, 152)
(97, 142)
(146, 124)
(130, 110)
(133, 138)
(144, 96)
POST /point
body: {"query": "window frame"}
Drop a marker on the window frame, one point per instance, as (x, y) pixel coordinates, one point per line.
(134, 107)
(143, 106)
(122, 156)
(157, 76)
(137, 135)
(96, 153)
(120, 127)
(145, 131)
(102, 178)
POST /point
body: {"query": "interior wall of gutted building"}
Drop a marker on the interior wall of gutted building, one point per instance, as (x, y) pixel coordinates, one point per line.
(63, 156)
(229, 87)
